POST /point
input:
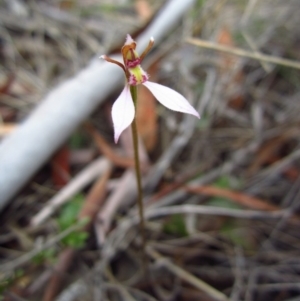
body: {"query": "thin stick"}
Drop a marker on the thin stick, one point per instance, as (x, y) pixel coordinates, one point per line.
(244, 53)
(87, 175)
(152, 213)
(15, 263)
(188, 277)
(133, 91)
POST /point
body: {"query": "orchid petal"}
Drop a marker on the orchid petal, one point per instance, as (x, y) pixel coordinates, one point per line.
(129, 40)
(122, 112)
(170, 98)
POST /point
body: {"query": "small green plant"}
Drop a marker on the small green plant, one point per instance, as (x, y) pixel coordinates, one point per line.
(77, 140)
(5, 283)
(225, 182)
(176, 226)
(238, 234)
(204, 122)
(67, 218)
(48, 255)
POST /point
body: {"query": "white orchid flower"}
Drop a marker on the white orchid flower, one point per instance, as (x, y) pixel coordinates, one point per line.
(123, 110)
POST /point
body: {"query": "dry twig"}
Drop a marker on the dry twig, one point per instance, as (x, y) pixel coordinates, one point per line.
(186, 276)
(244, 53)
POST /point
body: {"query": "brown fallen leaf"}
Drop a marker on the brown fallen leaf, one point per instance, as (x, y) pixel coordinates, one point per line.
(6, 85)
(60, 167)
(143, 9)
(242, 199)
(237, 197)
(292, 173)
(106, 149)
(269, 152)
(59, 273)
(146, 115)
(7, 128)
(7, 114)
(146, 118)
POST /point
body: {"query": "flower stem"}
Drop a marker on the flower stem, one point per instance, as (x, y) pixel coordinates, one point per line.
(133, 91)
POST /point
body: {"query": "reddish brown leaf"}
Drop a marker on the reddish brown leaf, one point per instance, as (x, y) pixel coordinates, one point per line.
(7, 128)
(269, 152)
(106, 149)
(5, 87)
(60, 167)
(143, 9)
(146, 115)
(237, 197)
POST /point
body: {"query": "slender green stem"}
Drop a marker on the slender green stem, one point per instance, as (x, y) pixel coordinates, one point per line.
(133, 91)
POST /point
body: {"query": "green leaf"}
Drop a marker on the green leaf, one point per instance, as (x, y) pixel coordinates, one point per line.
(48, 255)
(225, 182)
(237, 235)
(76, 239)
(6, 282)
(68, 214)
(67, 218)
(175, 226)
(204, 122)
(77, 140)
